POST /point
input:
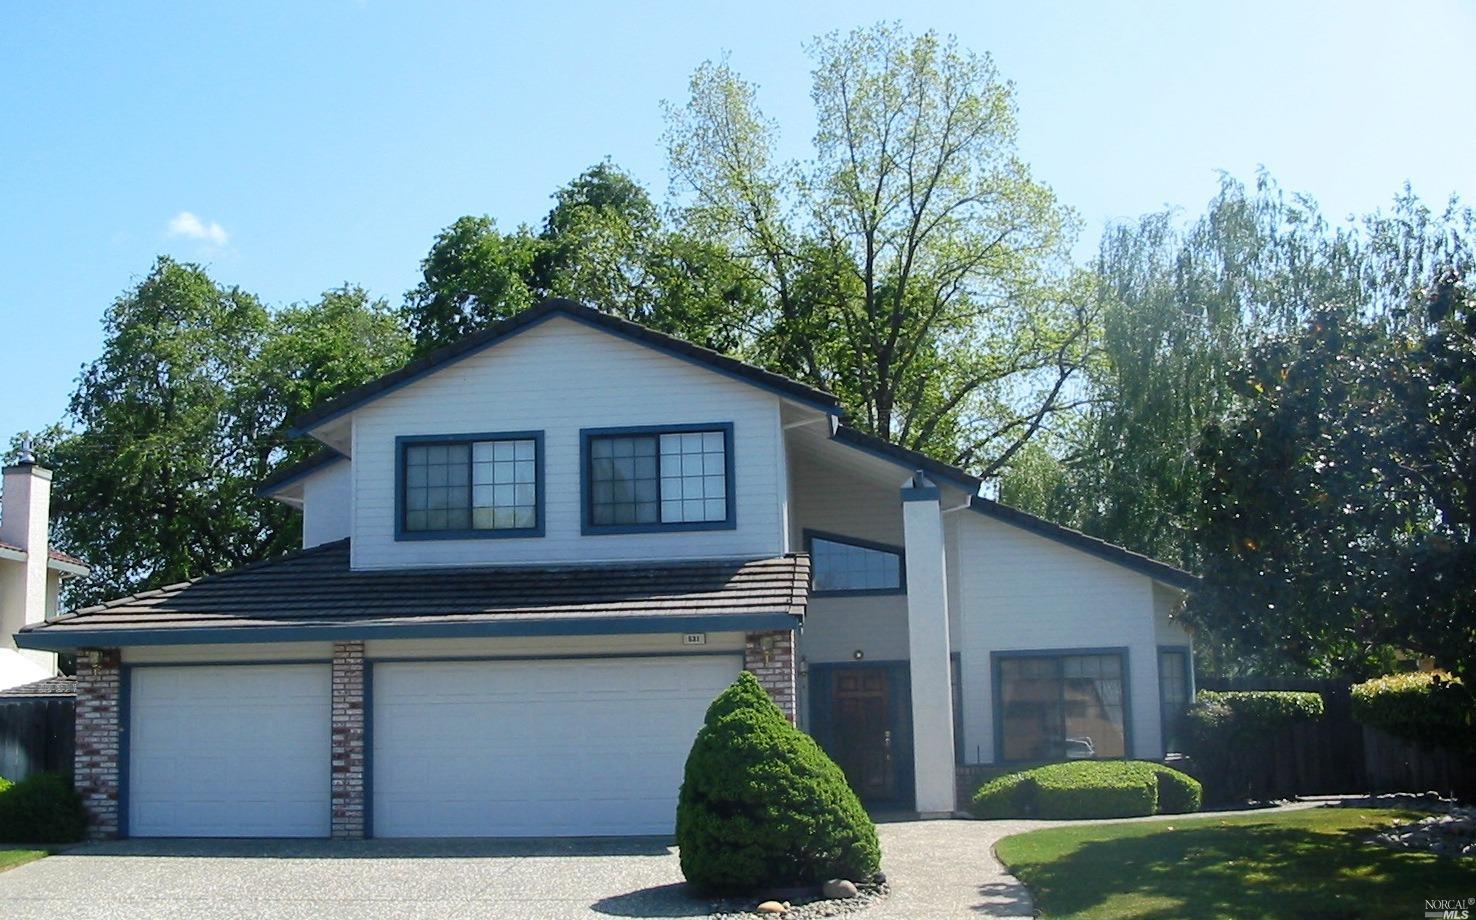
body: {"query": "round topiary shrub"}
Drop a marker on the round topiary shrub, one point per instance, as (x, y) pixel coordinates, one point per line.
(1431, 708)
(762, 806)
(42, 808)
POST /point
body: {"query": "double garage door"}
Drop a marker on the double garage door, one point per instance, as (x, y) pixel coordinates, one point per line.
(458, 749)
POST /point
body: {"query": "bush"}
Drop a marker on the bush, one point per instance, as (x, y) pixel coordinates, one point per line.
(1178, 793)
(1008, 796)
(1430, 708)
(42, 808)
(1231, 738)
(762, 806)
(1088, 789)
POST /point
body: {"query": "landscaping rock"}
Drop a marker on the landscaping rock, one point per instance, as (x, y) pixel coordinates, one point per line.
(808, 907)
(838, 888)
(772, 907)
(1452, 832)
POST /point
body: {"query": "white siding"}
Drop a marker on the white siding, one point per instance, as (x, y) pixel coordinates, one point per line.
(837, 627)
(1018, 591)
(241, 651)
(549, 646)
(560, 377)
(327, 504)
(1170, 629)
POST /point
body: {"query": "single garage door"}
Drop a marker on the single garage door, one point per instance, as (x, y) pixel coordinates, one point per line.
(589, 747)
(229, 751)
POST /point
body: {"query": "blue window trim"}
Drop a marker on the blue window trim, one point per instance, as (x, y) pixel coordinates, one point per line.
(811, 535)
(997, 679)
(1188, 653)
(586, 523)
(404, 441)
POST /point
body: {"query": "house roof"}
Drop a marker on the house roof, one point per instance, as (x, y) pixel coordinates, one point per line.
(295, 471)
(527, 319)
(313, 594)
(61, 685)
(54, 555)
(907, 457)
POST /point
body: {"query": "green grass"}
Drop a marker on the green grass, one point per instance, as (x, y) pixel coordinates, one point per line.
(1303, 864)
(12, 857)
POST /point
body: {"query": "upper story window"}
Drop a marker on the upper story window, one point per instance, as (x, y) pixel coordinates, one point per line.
(667, 478)
(843, 565)
(469, 486)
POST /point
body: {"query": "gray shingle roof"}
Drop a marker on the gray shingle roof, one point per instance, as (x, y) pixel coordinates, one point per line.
(315, 587)
(61, 685)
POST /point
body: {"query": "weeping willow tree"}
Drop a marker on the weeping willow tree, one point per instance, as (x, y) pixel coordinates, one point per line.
(1181, 306)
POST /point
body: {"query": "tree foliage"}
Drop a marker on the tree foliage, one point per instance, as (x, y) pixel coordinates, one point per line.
(1337, 506)
(174, 426)
(914, 267)
(604, 243)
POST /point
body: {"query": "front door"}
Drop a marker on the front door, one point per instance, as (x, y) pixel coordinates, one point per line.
(862, 726)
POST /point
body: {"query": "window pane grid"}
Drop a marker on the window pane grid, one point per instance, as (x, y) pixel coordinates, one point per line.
(658, 479)
(1062, 706)
(472, 485)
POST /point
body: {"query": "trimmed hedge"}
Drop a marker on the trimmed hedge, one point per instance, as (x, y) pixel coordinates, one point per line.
(1088, 789)
(1230, 737)
(761, 806)
(1178, 793)
(1431, 708)
(42, 808)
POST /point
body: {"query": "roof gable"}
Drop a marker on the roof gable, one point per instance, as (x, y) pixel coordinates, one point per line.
(778, 384)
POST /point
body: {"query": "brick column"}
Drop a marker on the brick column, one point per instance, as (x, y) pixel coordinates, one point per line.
(95, 767)
(348, 741)
(770, 658)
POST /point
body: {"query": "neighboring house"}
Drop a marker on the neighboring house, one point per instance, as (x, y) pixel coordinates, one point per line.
(31, 571)
(531, 560)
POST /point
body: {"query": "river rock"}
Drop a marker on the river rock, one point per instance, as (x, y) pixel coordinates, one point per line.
(838, 888)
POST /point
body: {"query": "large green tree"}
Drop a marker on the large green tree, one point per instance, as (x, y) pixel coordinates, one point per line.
(173, 426)
(1338, 506)
(913, 265)
(604, 243)
(1181, 305)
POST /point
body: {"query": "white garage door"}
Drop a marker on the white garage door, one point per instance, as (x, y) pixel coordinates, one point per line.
(229, 751)
(536, 748)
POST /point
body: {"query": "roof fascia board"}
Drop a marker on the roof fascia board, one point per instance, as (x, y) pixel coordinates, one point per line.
(273, 489)
(64, 639)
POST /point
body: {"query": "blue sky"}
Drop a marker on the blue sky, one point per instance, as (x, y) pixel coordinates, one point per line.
(292, 147)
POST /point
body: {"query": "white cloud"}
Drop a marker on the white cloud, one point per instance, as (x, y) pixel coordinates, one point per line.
(188, 225)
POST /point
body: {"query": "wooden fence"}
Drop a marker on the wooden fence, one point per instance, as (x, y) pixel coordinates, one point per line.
(36, 735)
(1338, 754)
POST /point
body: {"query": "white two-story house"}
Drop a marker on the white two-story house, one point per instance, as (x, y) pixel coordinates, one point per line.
(531, 559)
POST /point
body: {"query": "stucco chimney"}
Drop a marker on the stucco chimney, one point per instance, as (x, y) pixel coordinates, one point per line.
(25, 519)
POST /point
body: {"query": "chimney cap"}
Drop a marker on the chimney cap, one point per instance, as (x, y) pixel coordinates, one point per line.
(27, 455)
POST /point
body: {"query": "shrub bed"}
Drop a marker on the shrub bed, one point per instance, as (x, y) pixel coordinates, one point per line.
(761, 806)
(1088, 789)
(42, 808)
(1232, 737)
(1431, 708)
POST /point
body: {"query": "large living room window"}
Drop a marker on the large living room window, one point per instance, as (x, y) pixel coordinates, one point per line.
(666, 478)
(1061, 705)
(845, 565)
(471, 486)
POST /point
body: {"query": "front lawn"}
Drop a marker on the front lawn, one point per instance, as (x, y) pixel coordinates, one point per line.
(12, 857)
(1310, 863)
